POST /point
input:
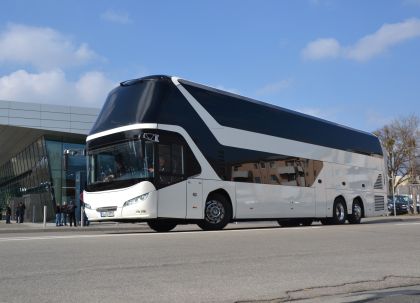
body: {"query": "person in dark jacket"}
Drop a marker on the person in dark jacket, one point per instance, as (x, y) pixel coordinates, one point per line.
(17, 213)
(8, 214)
(72, 213)
(64, 212)
(58, 215)
(21, 208)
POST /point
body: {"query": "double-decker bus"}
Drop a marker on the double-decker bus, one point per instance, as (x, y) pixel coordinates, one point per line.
(168, 151)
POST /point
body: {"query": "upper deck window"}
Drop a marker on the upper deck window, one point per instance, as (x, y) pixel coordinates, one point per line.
(130, 104)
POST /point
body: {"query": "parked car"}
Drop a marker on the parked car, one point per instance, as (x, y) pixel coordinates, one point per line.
(402, 204)
(411, 206)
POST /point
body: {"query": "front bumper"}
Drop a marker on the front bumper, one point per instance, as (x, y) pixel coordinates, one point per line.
(110, 205)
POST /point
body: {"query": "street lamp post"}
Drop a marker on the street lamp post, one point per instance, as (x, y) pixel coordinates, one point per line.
(392, 181)
(392, 190)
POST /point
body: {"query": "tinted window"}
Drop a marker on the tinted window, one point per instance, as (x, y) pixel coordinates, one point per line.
(170, 160)
(131, 104)
(176, 163)
(282, 171)
(243, 113)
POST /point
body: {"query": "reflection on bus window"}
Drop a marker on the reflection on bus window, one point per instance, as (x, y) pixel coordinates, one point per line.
(290, 171)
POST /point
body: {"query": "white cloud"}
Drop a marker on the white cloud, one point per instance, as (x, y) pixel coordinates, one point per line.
(41, 47)
(93, 87)
(387, 36)
(117, 17)
(53, 87)
(275, 87)
(367, 47)
(322, 48)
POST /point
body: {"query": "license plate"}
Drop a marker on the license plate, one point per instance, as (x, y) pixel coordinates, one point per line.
(107, 214)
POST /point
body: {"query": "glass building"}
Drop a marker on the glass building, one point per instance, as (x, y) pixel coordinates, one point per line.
(34, 170)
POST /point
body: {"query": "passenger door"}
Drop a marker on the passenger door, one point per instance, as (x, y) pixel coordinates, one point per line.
(172, 193)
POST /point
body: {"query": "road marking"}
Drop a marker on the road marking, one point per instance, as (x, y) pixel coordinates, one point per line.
(155, 234)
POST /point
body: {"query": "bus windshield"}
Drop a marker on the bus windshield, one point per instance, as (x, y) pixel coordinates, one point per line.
(126, 163)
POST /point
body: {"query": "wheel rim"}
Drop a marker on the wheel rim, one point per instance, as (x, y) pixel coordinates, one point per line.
(339, 212)
(357, 211)
(215, 212)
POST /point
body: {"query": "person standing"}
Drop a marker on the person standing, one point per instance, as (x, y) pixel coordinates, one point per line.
(64, 212)
(72, 213)
(21, 212)
(58, 215)
(17, 213)
(8, 214)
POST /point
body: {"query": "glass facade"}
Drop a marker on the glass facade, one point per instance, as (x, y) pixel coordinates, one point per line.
(40, 175)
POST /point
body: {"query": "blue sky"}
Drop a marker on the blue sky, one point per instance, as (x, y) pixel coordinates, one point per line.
(353, 62)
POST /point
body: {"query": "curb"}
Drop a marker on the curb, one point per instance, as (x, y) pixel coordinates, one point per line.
(25, 229)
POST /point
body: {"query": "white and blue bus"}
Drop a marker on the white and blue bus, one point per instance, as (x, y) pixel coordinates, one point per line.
(168, 151)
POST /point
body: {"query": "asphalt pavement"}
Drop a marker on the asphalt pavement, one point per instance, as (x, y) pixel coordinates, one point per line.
(249, 262)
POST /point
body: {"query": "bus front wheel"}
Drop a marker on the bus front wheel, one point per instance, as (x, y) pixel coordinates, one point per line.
(217, 213)
(161, 225)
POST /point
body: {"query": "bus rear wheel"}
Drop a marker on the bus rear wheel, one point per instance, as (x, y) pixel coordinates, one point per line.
(356, 215)
(339, 211)
(217, 213)
(161, 225)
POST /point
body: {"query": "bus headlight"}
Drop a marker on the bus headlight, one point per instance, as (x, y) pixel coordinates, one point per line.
(136, 200)
(87, 206)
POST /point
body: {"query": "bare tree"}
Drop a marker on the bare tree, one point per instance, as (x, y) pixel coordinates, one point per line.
(399, 141)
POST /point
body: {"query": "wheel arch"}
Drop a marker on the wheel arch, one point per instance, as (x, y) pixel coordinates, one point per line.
(223, 192)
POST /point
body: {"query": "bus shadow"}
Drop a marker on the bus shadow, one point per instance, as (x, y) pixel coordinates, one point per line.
(194, 230)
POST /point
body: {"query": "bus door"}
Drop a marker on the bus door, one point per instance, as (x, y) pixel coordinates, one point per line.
(194, 199)
(170, 181)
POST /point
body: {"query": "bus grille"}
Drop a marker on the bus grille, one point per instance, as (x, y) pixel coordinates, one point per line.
(109, 208)
(379, 203)
(378, 183)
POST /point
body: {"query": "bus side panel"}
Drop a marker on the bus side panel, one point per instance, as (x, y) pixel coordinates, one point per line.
(273, 201)
(172, 201)
(262, 201)
(353, 182)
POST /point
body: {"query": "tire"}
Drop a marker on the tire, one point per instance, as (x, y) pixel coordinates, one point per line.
(161, 225)
(217, 213)
(356, 214)
(339, 211)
